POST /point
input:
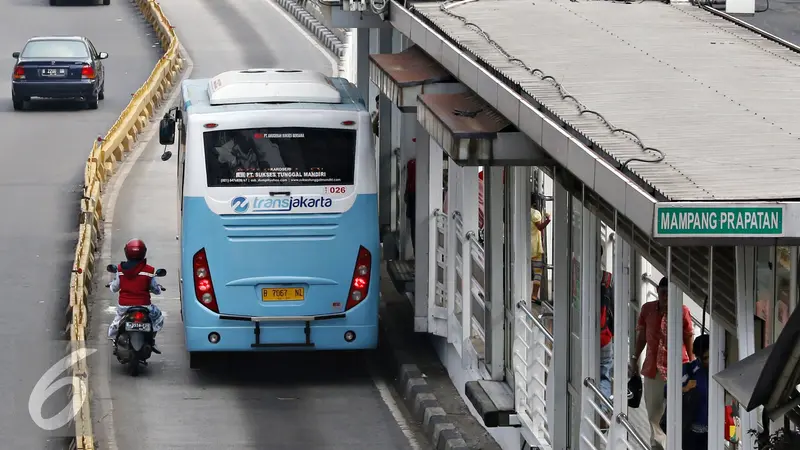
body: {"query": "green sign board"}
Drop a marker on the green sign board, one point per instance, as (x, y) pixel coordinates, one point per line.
(719, 221)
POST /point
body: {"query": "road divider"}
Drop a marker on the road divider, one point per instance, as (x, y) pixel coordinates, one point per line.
(323, 34)
(106, 154)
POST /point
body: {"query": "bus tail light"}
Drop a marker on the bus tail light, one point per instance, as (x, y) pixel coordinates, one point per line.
(203, 287)
(359, 286)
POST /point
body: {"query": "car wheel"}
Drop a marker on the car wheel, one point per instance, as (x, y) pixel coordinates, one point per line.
(53, 2)
(91, 103)
(106, 2)
(19, 105)
(102, 94)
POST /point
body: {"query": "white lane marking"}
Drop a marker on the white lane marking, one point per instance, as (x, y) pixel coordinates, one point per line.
(312, 39)
(112, 193)
(386, 395)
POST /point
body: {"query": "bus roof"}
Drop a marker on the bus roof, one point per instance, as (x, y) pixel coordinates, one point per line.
(264, 89)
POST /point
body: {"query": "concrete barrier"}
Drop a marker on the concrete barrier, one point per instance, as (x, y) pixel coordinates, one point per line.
(326, 36)
(103, 160)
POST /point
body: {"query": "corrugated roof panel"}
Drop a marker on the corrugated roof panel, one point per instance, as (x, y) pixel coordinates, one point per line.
(721, 102)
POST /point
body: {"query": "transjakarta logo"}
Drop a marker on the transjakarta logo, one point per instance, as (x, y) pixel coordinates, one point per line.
(280, 204)
(240, 204)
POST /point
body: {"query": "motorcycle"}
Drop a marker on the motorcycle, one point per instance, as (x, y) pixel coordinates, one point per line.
(133, 343)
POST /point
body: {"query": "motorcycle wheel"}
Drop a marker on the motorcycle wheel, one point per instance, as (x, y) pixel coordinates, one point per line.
(133, 367)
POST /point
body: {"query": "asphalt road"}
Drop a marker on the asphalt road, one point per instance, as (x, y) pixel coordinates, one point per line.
(40, 176)
(782, 18)
(290, 401)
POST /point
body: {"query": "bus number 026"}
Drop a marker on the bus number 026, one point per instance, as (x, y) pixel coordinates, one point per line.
(336, 190)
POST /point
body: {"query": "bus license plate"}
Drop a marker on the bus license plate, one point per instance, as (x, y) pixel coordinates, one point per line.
(282, 294)
(134, 326)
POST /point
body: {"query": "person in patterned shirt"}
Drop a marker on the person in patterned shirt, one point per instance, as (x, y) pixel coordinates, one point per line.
(651, 333)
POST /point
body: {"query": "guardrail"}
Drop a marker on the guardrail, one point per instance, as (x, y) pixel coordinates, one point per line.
(532, 353)
(598, 438)
(106, 153)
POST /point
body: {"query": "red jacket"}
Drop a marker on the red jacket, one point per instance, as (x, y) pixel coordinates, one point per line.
(134, 283)
(605, 333)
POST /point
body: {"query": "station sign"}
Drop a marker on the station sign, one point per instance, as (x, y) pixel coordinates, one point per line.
(719, 220)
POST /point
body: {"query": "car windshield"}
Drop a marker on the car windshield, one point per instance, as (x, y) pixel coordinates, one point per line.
(55, 49)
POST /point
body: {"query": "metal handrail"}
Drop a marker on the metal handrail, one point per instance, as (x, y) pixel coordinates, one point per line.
(539, 325)
(473, 237)
(621, 418)
(589, 382)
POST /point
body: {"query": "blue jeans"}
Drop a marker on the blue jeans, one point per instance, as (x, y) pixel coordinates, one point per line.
(606, 368)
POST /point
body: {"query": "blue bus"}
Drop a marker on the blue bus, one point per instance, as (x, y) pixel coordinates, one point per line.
(278, 216)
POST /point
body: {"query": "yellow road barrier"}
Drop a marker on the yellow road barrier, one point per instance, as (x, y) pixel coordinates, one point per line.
(103, 160)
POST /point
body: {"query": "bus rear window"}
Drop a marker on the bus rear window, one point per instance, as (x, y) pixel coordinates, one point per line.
(280, 157)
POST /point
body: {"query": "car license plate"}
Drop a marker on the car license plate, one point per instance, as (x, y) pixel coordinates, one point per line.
(283, 294)
(136, 326)
(54, 72)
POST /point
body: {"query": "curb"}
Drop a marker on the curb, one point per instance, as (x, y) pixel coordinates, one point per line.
(309, 22)
(419, 398)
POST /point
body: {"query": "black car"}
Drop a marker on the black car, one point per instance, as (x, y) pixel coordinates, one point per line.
(58, 67)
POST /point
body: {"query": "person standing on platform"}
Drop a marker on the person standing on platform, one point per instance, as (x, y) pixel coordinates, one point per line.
(606, 333)
(651, 332)
(538, 224)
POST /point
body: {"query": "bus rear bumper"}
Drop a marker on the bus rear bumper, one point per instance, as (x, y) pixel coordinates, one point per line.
(281, 336)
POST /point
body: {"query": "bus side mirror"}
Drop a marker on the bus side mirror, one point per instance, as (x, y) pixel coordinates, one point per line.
(166, 131)
(166, 155)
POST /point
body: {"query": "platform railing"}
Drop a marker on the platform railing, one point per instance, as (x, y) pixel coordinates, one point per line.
(532, 352)
(477, 283)
(597, 421)
(459, 277)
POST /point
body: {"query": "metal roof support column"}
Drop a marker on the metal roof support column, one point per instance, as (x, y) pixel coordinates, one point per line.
(716, 357)
(362, 62)
(558, 398)
(386, 205)
(621, 259)
(518, 268)
(495, 293)
(637, 289)
(745, 324)
(423, 247)
(469, 215)
(589, 311)
(674, 361)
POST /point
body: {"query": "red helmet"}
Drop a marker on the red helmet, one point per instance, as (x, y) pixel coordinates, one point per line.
(135, 249)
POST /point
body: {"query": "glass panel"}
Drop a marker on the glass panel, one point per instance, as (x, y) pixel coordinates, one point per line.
(574, 421)
(765, 290)
(575, 295)
(280, 157)
(783, 277)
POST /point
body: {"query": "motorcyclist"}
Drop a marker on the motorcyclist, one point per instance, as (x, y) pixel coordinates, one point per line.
(135, 281)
